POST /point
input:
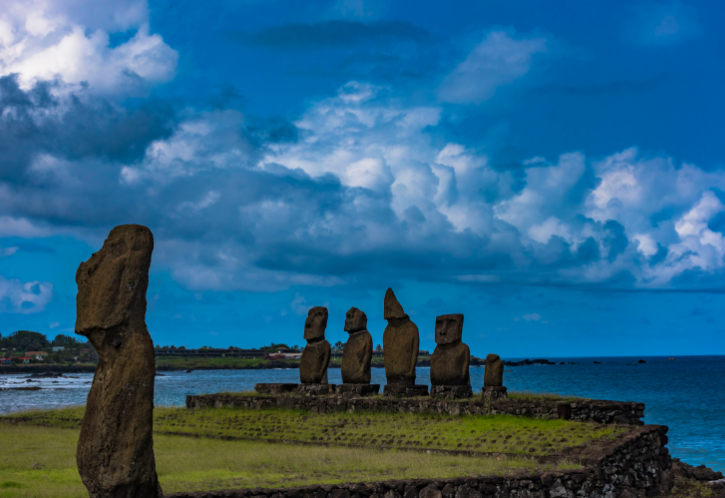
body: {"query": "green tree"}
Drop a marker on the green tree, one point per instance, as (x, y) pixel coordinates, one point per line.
(25, 340)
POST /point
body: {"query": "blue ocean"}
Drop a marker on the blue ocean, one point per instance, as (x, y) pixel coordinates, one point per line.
(684, 394)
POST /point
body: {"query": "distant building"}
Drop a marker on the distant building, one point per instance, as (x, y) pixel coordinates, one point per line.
(4, 361)
(38, 355)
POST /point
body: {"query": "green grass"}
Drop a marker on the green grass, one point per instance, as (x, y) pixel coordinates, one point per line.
(39, 462)
(490, 434)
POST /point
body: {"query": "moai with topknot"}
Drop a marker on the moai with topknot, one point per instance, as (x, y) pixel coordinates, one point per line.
(401, 341)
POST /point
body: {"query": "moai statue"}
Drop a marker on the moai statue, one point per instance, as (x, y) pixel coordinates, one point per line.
(316, 356)
(400, 343)
(358, 351)
(451, 358)
(493, 375)
(493, 387)
(115, 453)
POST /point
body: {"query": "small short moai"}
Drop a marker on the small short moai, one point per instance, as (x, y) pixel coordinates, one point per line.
(115, 453)
(357, 356)
(316, 356)
(449, 364)
(401, 342)
(493, 387)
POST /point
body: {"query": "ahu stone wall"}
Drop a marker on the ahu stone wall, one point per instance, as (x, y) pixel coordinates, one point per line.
(604, 412)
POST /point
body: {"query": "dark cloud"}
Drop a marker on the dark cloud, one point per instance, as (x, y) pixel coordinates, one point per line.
(76, 127)
(332, 34)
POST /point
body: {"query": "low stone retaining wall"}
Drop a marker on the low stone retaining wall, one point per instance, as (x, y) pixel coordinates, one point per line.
(603, 412)
(635, 466)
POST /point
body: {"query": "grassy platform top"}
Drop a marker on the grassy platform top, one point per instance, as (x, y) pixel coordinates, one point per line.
(40, 462)
(495, 434)
(514, 395)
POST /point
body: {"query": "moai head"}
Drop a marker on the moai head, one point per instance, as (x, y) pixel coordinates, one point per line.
(393, 309)
(355, 320)
(449, 329)
(315, 324)
(112, 283)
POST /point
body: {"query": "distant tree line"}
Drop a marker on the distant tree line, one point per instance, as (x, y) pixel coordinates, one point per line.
(74, 350)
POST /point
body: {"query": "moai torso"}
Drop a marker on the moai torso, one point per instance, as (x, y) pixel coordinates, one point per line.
(358, 352)
(451, 358)
(493, 375)
(401, 342)
(115, 453)
(316, 356)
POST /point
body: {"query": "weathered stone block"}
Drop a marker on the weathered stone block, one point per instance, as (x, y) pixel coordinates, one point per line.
(491, 393)
(451, 392)
(275, 388)
(315, 389)
(405, 391)
(354, 390)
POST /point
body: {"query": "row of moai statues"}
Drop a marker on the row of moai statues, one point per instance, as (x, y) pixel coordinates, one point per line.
(449, 367)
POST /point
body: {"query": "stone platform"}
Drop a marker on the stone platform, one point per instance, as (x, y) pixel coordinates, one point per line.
(273, 388)
(357, 390)
(451, 392)
(405, 391)
(491, 393)
(315, 389)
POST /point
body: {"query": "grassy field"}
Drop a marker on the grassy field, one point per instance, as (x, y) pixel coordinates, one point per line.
(494, 434)
(39, 462)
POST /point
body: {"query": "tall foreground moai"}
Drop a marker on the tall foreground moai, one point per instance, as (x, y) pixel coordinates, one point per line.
(358, 352)
(115, 452)
(451, 358)
(400, 343)
(316, 356)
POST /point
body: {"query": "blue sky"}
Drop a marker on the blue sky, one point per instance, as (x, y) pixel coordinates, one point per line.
(553, 171)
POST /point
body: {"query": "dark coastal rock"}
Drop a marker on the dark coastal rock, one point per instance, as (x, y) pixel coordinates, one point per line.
(451, 357)
(358, 351)
(493, 376)
(401, 342)
(316, 356)
(115, 453)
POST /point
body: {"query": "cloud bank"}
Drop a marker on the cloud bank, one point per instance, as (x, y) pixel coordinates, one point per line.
(363, 186)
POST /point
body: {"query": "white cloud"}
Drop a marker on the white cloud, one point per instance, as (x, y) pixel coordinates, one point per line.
(69, 40)
(24, 297)
(532, 317)
(498, 60)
